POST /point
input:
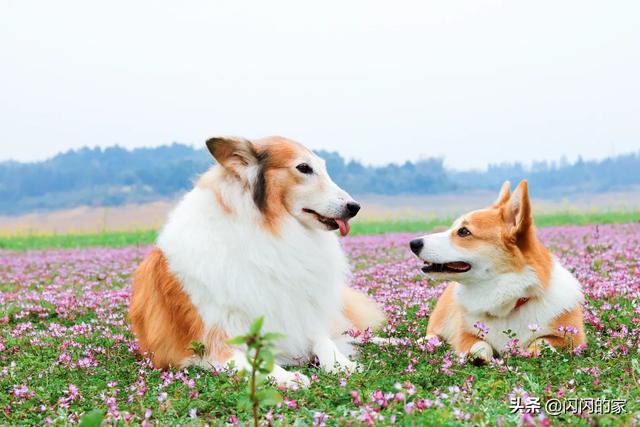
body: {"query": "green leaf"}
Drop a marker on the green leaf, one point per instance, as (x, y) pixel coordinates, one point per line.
(256, 326)
(198, 348)
(244, 403)
(263, 370)
(269, 397)
(92, 419)
(266, 355)
(273, 336)
(268, 360)
(237, 340)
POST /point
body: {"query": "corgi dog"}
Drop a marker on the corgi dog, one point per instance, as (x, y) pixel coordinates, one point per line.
(503, 278)
(253, 238)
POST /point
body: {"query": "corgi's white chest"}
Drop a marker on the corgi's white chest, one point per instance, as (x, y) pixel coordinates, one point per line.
(493, 304)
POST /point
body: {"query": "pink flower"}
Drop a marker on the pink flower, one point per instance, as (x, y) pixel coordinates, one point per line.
(22, 392)
(355, 397)
(579, 349)
(319, 419)
(483, 330)
(291, 404)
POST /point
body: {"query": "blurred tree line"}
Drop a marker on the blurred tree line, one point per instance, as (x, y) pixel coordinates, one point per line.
(114, 176)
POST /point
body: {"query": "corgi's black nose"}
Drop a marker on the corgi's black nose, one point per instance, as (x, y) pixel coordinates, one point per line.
(416, 246)
(353, 208)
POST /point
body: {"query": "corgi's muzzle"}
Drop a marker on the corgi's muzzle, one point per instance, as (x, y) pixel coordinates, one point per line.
(449, 267)
(432, 267)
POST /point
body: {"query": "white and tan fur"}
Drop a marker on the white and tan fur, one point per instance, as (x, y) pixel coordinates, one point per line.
(514, 281)
(239, 246)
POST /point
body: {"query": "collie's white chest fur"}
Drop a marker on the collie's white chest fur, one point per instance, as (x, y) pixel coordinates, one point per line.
(235, 271)
(493, 302)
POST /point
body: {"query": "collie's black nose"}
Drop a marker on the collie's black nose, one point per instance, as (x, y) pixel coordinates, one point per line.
(416, 246)
(353, 208)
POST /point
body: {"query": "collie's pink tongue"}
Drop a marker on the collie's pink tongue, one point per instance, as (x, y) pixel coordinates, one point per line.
(344, 226)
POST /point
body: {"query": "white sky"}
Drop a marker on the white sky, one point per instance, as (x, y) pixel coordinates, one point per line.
(473, 81)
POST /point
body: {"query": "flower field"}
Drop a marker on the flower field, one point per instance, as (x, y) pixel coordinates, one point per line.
(66, 348)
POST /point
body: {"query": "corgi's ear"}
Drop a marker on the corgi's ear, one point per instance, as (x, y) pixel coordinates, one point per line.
(234, 154)
(505, 194)
(517, 210)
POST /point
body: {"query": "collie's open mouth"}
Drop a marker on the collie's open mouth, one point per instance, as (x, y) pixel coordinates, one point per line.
(449, 267)
(332, 223)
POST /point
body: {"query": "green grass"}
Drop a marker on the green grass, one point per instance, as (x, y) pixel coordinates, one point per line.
(219, 394)
(484, 390)
(567, 218)
(145, 237)
(542, 220)
(114, 239)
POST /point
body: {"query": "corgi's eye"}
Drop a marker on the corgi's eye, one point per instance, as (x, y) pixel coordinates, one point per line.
(464, 232)
(305, 168)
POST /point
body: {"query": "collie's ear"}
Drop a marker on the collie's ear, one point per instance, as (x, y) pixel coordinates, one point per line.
(505, 194)
(234, 154)
(517, 210)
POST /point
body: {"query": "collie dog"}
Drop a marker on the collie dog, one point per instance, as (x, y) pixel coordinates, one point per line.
(504, 279)
(253, 238)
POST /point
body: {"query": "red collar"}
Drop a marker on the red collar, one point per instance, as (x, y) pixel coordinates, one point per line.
(521, 302)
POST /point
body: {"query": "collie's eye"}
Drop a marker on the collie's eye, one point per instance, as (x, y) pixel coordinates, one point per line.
(464, 232)
(305, 168)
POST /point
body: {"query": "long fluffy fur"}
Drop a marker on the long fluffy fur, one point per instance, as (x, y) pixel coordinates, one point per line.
(219, 265)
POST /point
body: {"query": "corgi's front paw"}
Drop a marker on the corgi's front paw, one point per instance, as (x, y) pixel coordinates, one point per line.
(481, 352)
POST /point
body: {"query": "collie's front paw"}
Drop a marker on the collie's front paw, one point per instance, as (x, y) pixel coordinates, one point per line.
(345, 366)
(289, 379)
(342, 364)
(481, 352)
(332, 359)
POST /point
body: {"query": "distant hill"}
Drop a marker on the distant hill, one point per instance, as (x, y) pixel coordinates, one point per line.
(115, 176)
